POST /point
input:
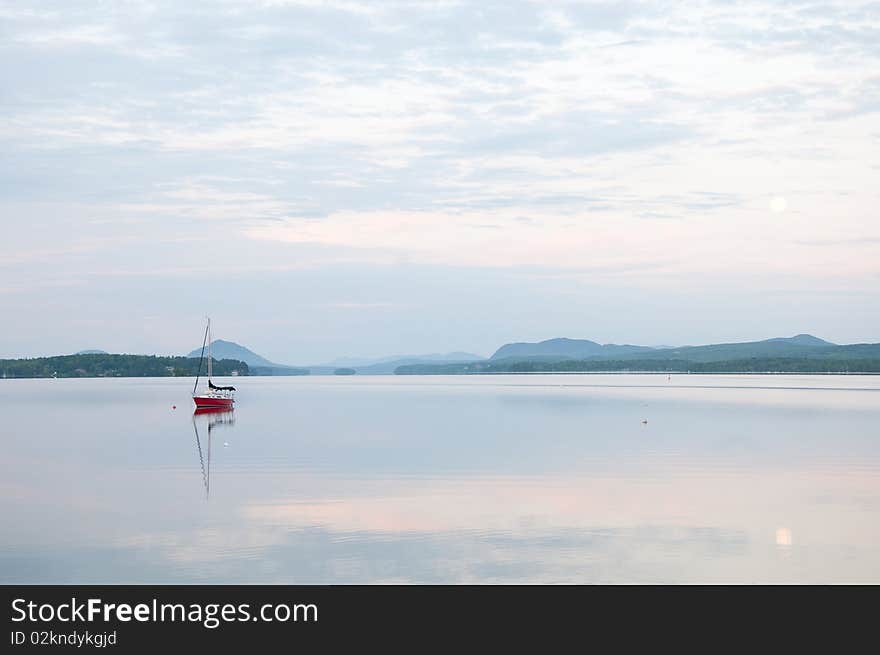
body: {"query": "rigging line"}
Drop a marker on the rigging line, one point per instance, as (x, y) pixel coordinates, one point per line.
(201, 357)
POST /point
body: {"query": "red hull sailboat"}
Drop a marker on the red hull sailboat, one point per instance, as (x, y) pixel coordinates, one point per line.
(214, 397)
(210, 401)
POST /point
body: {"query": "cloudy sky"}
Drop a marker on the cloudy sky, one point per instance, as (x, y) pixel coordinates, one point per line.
(368, 178)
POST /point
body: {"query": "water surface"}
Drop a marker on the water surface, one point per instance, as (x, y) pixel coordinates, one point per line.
(487, 479)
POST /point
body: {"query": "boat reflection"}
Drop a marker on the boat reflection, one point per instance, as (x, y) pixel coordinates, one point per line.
(208, 419)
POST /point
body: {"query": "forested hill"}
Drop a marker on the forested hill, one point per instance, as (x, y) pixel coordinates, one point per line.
(800, 345)
(104, 365)
(563, 348)
(802, 353)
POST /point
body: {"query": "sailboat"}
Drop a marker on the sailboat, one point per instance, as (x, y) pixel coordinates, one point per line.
(214, 397)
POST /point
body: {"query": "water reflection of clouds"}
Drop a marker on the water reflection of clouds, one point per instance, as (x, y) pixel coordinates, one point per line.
(432, 483)
(783, 537)
(320, 555)
(489, 518)
(514, 506)
(517, 529)
(679, 528)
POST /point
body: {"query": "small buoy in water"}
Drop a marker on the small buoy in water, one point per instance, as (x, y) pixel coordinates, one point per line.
(644, 421)
(174, 407)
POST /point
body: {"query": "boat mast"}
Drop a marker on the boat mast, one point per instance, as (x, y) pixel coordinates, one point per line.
(210, 356)
(201, 359)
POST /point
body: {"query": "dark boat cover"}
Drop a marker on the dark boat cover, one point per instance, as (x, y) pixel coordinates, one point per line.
(211, 385)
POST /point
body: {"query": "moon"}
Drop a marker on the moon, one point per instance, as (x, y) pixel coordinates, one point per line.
(778, 205)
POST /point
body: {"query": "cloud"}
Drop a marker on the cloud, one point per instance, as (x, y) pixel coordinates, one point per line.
(616, 136)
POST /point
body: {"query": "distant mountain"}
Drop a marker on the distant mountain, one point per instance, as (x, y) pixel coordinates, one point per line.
(456, 356)
(92, 352)
(800, 345)
(388, 367)
(554, 351)
(231, 350)
(563, 348)
(355, 362)
(800, 340)
(800, 353)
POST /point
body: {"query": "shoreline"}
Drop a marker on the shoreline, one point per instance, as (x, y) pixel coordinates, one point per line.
(474, 374)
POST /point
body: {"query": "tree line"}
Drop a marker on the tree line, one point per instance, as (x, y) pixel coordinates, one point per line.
(90, 366)
(746, 365)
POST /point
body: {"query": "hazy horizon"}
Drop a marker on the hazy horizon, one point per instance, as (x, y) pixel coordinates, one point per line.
(356, 359)
(336, 179)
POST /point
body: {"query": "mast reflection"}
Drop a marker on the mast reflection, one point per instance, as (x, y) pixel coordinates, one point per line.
(208, 419)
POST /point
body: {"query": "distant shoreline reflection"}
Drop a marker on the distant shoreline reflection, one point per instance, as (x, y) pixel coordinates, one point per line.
(209, 418)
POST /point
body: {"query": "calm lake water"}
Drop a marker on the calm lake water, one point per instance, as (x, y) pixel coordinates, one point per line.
(486, 479)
